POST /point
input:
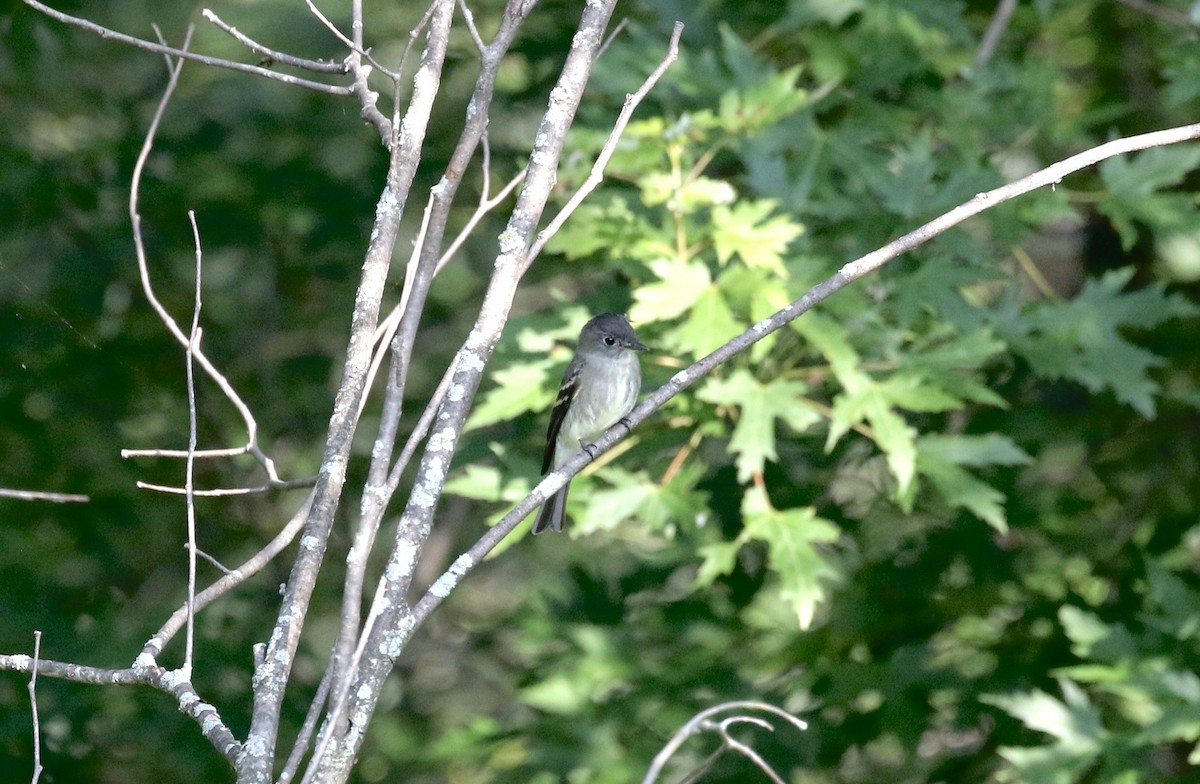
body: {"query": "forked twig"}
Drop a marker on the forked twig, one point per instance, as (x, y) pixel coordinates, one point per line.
(283, 58)
(184, 339)
(596, 175)
(183, 54)
(33, 707)
(703, 721)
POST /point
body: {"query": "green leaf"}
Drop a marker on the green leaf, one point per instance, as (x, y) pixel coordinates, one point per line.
(970, 450)
(862, 399)
(629, 496)
(662, 188)
(792, 537)
(611, 228)
(1072, 721)
(1081, 339)
(520, 389)
(718, 559)
(940, 458)
(620, 496)
(764, 97)
(913, 392)
(710, 324)
(759, 405)
(746, 229)
(1133, 182)
(894, 436)
(1091, 638)
(1142, 173)
(959, 489)
(680, 284)
(488, 483)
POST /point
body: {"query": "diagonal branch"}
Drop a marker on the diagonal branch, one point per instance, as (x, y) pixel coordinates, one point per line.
(321, 66)
(272, 676)
(183, 54)
(849, 273)
(388, 631)
(170, 681)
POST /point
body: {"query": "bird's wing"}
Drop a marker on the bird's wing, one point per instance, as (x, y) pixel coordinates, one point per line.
(566, 393)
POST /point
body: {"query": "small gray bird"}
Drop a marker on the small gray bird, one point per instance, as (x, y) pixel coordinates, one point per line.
(600, 386)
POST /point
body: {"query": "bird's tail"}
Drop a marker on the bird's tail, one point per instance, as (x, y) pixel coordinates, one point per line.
(550, 518)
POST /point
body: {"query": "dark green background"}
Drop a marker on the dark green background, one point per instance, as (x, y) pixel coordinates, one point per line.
(936, 609)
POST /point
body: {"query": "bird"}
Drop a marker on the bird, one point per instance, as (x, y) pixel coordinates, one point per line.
(599, 387)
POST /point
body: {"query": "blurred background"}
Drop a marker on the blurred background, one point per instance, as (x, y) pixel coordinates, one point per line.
(950, 519)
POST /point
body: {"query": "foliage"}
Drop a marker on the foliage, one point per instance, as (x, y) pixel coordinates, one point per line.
(949, 518)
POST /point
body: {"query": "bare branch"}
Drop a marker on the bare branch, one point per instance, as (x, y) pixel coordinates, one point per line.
(183, 54)
(596, 176)
(702, 721)
(252, 447)
(367, 98)
(730, 742)
(233, 578)
(221, 492)
(33, 707)
(995, 30)
(193, 344)
(621, 25)
(283, 58)
(38, 495)
(387, 633)
(419, 274)
(849, 273)
(304, 737)
(170, 681)
(469, 20)
(271, 678)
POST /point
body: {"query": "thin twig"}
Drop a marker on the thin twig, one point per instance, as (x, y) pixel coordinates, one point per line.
(212, 727)
(199, 454)
(469, 20)
(321, 66)
(220, 567)
(39, 495)
(596, 175)
(33, 707)
(356, 45)
(621, 25)
(232, 578)
(849, 273)
(995, 30)
(304, 737)
(730, 742)
(702, 720)
(184, 340)
(224, 492)
(189, 483)
(150, 46)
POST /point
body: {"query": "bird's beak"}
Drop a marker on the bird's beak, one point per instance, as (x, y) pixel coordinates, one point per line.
(637, 345)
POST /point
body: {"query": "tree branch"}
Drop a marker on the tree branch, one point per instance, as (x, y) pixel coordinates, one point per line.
(183, 54)
(702, 721)
(271, 677)
(169, 681)
(283, 58)
(386, 634)
(849, 273)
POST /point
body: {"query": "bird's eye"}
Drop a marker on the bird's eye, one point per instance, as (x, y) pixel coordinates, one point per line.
(609, 340)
